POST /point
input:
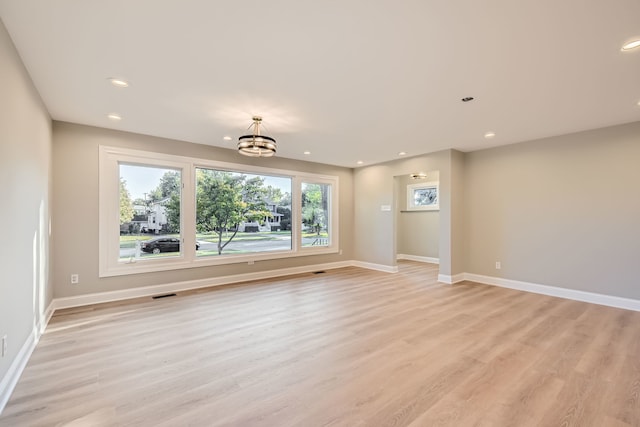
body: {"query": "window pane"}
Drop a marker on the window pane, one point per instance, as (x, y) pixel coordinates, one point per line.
(149, 212)
(315, 214)
(239, 213)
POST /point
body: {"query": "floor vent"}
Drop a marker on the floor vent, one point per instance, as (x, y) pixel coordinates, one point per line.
(318, 272)
(164, 296)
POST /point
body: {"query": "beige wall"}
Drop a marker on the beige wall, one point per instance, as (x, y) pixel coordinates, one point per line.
(559, 211)
(418, 232)
(563, 211)
(375, 229)
(457, 213)
(25, 168)
(75, 164)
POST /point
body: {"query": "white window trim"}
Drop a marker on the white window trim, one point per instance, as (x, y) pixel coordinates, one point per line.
(412, 188)
(332, 206)
(109, 217)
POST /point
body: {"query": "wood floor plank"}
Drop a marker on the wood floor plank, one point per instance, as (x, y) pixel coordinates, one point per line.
(349, 347)
(623, 403)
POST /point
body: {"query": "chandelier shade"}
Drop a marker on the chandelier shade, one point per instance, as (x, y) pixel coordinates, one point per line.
(256, 145)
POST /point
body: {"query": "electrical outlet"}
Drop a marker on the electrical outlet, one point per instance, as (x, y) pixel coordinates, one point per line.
(4, 346)
(340, 252)
(498, 265)
(75, 279)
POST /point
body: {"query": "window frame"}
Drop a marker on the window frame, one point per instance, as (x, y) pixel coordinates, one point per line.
(109, 221)
(332, 213)
(413, 188)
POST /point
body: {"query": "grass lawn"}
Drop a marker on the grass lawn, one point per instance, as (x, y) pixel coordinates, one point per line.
(226, 251)
(241, 236)
(128, 241)
(314, 234)
(134, 237)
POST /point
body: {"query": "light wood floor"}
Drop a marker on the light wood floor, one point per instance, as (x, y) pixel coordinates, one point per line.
(349, 347)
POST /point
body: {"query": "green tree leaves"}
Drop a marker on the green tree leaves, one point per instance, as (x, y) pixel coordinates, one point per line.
(167, 193)
(225, 199)
(314, 206)
(126, 207)
(169, 185)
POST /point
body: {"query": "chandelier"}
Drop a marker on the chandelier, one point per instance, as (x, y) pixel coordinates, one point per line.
(256, 145)
(418, 175)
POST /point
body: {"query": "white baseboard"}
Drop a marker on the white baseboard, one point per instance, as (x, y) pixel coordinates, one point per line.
(377, 267)
(450, 280)
(572, 294)
(12, 376)
(429, 260)
(10, 379)
(46, 317)
(101, 297)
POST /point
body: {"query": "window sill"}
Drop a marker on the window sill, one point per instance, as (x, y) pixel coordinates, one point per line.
(180, 263)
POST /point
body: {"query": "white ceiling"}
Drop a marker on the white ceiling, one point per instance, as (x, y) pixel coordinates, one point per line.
(347, 80)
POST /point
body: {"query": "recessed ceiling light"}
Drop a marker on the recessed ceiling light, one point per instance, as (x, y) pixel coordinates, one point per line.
(114, 116)
(489, 135)
(467, 99)
(227, 138)
(631, 45)
(306, 153)
(638, 104)
(402, 153)
(359, 162)
(119, 82)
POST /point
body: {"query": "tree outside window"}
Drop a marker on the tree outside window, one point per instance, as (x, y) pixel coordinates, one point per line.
(315, 214)
(225, 200)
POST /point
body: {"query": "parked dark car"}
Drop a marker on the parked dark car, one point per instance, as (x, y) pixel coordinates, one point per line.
(162, 244)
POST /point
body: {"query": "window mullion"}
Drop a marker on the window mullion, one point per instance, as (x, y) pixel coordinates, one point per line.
(188, 212)
(296, 214)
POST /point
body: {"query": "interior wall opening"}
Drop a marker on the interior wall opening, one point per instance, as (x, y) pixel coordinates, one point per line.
(417, 217)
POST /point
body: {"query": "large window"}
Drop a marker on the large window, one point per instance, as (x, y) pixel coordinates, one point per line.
(161, 212)
(241, 213)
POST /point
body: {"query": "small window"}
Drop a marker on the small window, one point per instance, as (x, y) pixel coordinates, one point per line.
(423, 197)
(316, 214)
